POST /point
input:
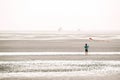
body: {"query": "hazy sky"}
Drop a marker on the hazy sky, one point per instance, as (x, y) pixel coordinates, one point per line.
(86, 15)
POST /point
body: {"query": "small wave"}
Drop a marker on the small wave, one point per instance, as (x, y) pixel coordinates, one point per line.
(57, 53)
(56, 37)
(57, 68)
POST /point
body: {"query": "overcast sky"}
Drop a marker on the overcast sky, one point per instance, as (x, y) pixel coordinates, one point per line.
(86, 15)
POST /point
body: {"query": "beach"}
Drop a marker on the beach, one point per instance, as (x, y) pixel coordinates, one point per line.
(13, 42)
(59, 57)
(110, 77)
(62, 67)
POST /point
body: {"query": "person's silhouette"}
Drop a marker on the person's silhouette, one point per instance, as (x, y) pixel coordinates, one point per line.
(86, 49)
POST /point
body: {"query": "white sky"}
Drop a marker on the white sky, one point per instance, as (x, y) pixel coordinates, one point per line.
(86, 15)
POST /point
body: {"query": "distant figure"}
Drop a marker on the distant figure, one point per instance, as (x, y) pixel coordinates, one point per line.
(90, 39)
(86, 49)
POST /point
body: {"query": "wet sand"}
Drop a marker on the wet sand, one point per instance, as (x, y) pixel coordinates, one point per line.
(59, 57)
(65, 45)
(108, 77)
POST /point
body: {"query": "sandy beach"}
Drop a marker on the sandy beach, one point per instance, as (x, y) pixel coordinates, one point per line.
(65, 59)
(38, 42)
(67, 45)
(59, 39)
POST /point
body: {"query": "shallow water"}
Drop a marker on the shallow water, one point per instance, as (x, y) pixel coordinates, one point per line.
(38, 36)
(57, 68)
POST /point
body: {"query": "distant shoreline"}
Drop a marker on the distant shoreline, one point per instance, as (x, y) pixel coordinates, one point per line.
(55, 53)
(59, 32)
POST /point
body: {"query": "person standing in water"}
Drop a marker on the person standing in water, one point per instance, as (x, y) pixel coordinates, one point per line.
(86, 49)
